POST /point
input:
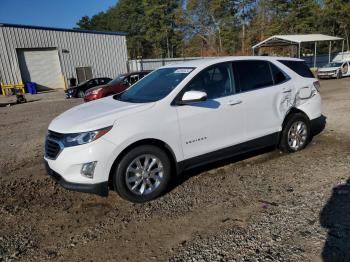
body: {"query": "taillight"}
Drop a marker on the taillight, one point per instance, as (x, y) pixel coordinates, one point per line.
(317, 85)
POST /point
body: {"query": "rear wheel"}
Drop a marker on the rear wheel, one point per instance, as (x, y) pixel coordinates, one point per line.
(295, 134)
(142, 174)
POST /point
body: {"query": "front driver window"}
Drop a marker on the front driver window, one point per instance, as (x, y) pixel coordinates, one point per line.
(217, 81)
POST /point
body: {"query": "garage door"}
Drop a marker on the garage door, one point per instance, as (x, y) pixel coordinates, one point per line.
(41, 66)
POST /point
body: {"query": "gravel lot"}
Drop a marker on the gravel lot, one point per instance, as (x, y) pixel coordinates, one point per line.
(265, 206)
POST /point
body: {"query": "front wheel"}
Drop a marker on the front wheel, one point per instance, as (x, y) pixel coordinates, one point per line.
(295, 134)
(339, 75)
(142, 174)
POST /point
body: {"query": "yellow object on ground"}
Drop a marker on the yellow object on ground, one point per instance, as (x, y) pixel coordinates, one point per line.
(5, 88)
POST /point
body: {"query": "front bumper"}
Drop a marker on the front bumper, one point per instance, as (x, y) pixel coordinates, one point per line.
(92, 97)
(100, 189)
(71, 93)
(66, 167)
(327, 75)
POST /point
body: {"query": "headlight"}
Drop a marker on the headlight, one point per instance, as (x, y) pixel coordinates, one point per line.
(93, 92)
(85, 137)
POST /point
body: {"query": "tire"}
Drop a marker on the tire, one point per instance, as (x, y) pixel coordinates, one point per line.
(339, 75)
(128, 174)
(292, 138)
(81, 94)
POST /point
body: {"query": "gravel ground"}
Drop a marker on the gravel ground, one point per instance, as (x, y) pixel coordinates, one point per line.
(265, 206)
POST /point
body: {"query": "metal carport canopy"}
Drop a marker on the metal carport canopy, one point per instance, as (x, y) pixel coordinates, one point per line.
(287, 40)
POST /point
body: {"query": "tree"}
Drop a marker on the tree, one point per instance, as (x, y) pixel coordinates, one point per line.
(97, 22)
(172, 28)
(161, 26)
(336, 18)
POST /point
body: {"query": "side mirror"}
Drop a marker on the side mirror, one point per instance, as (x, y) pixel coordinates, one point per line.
(192, 97)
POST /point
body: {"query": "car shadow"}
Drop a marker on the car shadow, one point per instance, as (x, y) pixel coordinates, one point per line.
(188, 174)
(335, 217)
(14, 103)
(317, 127)
(210, 103)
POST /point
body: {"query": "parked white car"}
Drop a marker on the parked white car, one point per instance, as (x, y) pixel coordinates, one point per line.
(334, 70)
(179, 117)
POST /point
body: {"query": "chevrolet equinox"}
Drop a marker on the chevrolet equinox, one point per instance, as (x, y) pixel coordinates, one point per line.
(181, 116)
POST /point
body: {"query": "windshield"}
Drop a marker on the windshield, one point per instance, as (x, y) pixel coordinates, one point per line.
(333, 64)
(154, 86)
(117, 79)
(83, 83)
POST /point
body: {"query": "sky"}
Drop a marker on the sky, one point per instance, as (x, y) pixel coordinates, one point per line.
(51, 13)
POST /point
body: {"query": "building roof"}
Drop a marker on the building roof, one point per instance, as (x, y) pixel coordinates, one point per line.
(62, 29)
(283, 40)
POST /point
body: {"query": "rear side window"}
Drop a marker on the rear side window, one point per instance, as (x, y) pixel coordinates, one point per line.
(298, 67)
(253, 74)
(278, 76)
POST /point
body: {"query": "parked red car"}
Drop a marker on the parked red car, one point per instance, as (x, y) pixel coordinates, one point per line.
(115, 86)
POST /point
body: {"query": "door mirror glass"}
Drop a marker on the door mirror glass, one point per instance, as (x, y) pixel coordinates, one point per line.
(193, 96)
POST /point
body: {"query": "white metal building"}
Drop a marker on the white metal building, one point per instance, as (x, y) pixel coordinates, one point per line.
(50, 56)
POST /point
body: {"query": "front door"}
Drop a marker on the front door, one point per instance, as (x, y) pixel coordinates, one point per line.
(216, 123)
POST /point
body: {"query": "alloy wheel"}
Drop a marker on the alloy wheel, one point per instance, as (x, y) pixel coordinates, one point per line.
(297, 135)
(144, 174)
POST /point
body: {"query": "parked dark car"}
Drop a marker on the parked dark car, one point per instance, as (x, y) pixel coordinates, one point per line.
(117, 85)
(80, 89)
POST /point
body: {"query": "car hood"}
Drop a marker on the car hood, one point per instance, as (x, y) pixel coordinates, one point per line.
(327, 69)
(95, 115)
(96, 87)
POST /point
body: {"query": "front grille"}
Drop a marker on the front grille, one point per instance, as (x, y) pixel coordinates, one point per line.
(53, 144)
(55, 135)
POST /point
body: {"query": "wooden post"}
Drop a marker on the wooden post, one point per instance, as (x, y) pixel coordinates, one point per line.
(330, 51)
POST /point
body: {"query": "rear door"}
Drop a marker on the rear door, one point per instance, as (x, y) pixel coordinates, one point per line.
(266, 95)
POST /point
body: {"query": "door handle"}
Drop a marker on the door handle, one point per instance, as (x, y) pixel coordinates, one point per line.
(287, 91)
(234, 102)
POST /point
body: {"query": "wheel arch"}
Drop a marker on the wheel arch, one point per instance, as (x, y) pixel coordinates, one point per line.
(293, 111)
(149, 141)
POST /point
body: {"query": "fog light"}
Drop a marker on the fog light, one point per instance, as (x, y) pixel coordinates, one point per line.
(88, 169)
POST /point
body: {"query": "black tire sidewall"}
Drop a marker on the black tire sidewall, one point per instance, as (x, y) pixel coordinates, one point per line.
(339, 75)
(119, 182)
(284, 146)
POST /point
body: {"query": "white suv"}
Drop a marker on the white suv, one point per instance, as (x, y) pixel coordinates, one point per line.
(179, 117)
